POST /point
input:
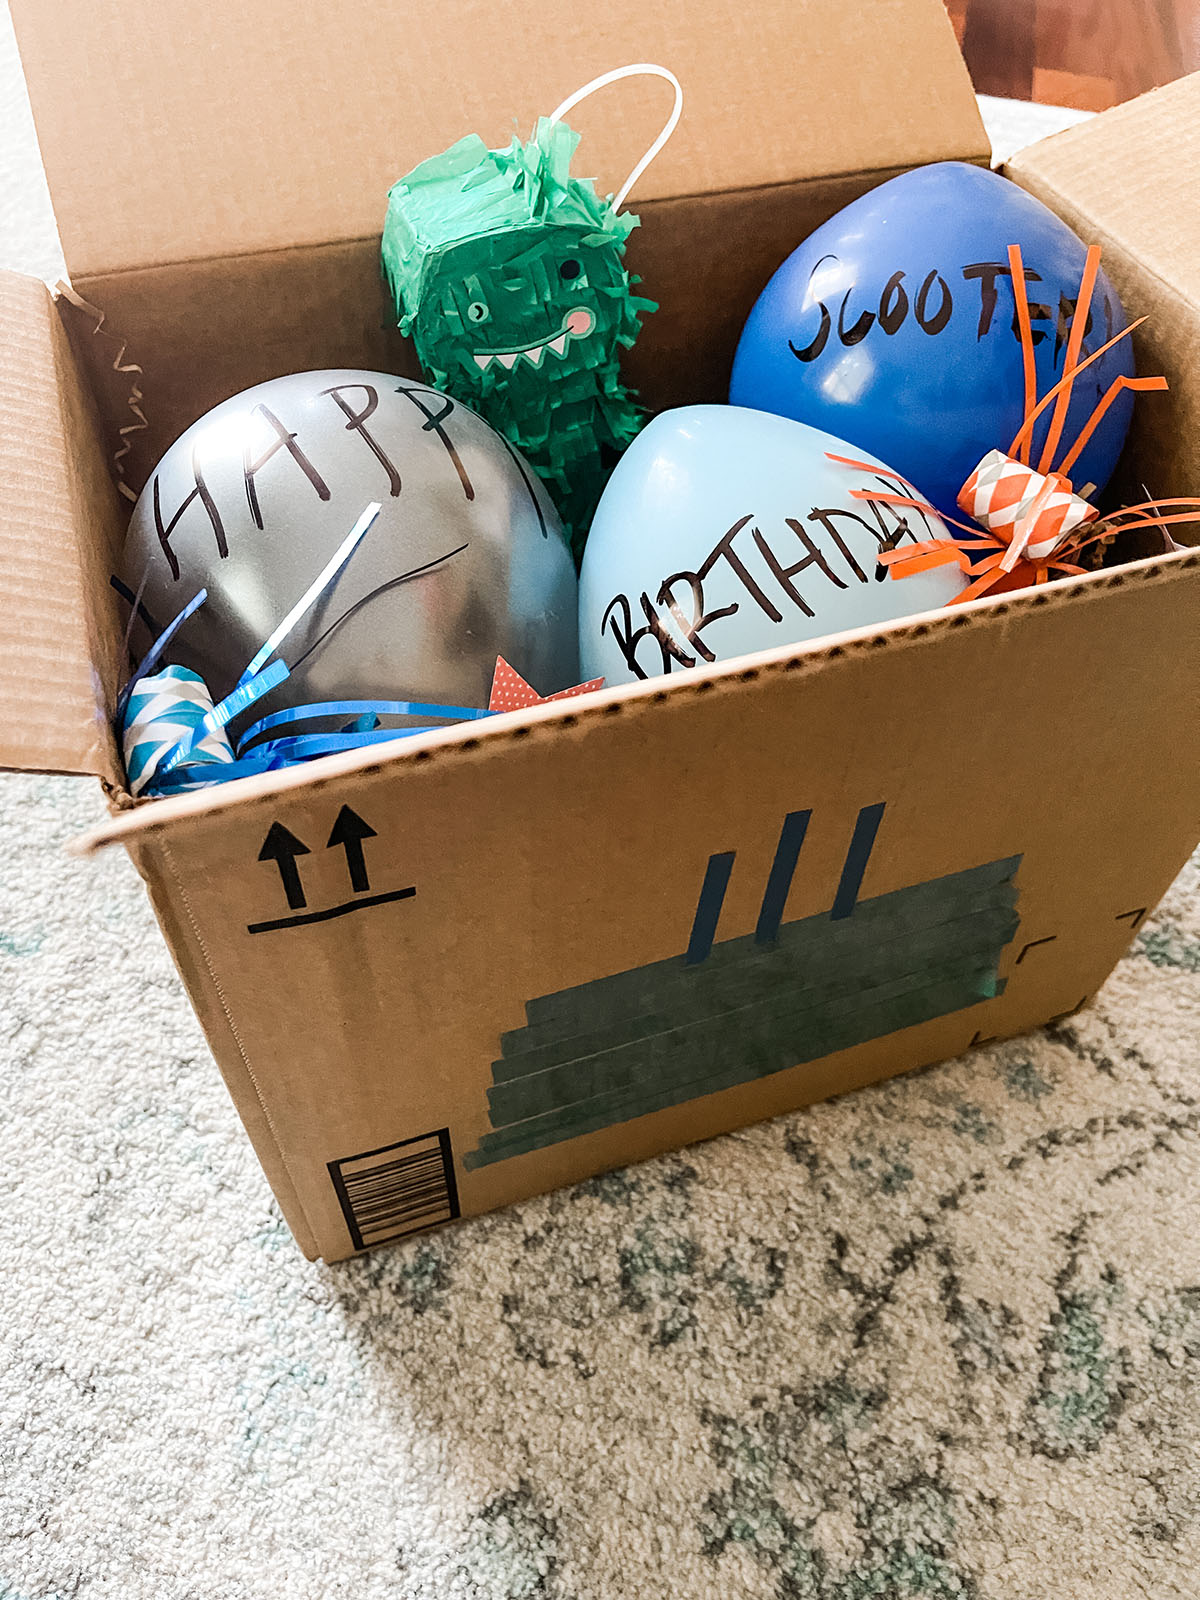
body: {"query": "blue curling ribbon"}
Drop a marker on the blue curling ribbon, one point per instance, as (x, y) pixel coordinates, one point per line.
(359, 708)
(314, 591)
(307, 746)
(271, 757)
(154, 654)
(172, 748)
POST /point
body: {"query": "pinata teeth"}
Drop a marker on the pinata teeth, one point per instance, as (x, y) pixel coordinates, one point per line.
(532, 353)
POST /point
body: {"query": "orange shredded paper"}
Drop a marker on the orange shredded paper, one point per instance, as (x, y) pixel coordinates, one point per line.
(1028, 523)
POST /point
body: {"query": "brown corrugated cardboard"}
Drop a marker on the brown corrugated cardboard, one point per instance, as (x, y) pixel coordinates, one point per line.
(588, 932)
(205, 131)
(59, 531)
(549, 852)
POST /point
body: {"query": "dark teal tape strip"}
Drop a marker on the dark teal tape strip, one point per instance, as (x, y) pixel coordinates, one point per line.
(708, 908)
(862, 842)
(828, 974)
(779, 880)
(795, 1019)
(624, 1046)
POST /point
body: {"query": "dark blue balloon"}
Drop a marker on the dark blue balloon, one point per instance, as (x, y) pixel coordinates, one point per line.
(893, 326)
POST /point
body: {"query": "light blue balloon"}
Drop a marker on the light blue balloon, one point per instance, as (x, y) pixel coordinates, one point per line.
(724, 531)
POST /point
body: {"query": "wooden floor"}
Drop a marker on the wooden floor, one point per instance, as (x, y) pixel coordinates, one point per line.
(1084, 53)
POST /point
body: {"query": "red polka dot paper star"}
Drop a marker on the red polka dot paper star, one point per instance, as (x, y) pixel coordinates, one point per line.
(510, 692)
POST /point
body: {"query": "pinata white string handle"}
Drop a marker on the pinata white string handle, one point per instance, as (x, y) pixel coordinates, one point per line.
(640, 69)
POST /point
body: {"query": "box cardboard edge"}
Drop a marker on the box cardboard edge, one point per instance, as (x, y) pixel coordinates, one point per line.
(486, 740)
(50, 610)
(73, 110)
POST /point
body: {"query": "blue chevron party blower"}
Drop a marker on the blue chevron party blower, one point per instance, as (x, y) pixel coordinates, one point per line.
(175, 738)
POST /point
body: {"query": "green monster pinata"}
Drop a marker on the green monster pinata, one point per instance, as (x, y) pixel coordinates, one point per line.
(508, 274)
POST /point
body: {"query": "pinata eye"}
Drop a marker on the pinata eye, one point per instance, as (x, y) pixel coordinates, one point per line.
(477, 311)
(570, 269)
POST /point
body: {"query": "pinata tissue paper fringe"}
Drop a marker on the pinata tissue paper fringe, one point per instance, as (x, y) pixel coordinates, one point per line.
(508, 275)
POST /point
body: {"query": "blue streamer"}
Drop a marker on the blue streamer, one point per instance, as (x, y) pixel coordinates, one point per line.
(358, 708)
(315, 590)
(270, 757)
(306, 747)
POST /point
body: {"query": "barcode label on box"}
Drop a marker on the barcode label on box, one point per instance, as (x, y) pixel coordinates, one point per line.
(399, 1189)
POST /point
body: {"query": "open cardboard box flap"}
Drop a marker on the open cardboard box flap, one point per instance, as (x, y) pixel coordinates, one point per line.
(1129, 177)
(60, 529)
(1126, 180)
(227, 128)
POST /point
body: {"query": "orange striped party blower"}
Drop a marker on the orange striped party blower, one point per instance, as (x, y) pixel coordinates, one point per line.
(1030, 523)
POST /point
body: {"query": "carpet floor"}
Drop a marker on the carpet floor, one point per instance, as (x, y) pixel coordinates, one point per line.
(937, 1339)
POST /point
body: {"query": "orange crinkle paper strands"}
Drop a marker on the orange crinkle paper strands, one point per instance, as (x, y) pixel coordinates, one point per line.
(1029, 524)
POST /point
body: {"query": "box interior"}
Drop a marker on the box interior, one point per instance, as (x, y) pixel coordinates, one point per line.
(204, 330)
(205, 132)
(190, 315)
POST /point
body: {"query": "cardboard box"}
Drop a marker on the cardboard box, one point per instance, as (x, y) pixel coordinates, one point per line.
(590, 932)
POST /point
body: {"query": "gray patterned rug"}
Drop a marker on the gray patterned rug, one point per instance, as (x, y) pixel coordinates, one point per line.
(938, 1339)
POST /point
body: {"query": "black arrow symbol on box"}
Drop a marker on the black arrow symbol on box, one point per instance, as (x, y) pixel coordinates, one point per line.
(349, 831)
(282, 848)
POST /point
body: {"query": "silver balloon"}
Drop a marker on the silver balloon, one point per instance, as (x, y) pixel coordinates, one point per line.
(466, 561)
